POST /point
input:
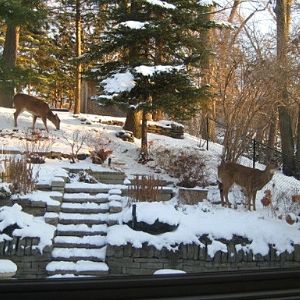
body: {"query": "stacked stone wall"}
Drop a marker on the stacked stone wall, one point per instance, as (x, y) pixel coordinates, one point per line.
(127, 260)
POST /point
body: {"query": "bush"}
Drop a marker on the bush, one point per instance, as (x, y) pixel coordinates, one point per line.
(188, 166)
(100, 145)
(19, 173)
(99, 156)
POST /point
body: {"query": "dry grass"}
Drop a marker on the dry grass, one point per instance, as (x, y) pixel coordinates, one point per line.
(19, 173)
(144, 188)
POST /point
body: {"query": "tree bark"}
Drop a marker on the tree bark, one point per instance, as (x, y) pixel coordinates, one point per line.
(9, 62)
(78, 54)
(208, 126)
(282, 11)
(144, 141)
(133, 122)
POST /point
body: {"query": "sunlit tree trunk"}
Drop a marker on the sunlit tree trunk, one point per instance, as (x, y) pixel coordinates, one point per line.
(78, 26)
(208, 126)
(285, 123)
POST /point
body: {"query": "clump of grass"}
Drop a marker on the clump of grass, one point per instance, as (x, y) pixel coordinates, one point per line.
(19, 173)
(145, 188)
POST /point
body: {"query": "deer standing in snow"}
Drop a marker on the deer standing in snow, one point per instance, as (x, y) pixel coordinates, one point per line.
(249, 179)
(37, 107)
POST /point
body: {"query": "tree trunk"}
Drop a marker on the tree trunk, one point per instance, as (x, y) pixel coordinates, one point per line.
(297, 171)
(78, 54)
(9, 63)
(133, 122)
(144, 141)
(282, 11)
(208, 126)
(271, 138)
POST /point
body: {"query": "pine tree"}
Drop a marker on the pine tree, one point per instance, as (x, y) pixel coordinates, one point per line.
(16, 14)
(165, 38)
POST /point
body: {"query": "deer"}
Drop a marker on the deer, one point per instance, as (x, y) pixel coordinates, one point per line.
(249, 179)
(37, 107)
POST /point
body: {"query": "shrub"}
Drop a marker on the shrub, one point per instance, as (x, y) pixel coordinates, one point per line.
(144, 188)
(76, 142)
(101, 151)
(19, 173)
(99, 156)
(188, 166)
(36, 145)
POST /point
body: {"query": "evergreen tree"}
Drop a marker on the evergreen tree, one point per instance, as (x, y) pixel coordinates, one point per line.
(165, 38)
(16, 14)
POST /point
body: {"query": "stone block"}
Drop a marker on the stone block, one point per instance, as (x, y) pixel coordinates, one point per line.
(192, 196)
(231, 257)
(115, 209)
(152, 265)
(297, 253)
(127, 250)
(217, 257)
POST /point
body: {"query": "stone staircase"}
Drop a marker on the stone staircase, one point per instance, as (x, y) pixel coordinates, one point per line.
(84, 216)
(79, 247)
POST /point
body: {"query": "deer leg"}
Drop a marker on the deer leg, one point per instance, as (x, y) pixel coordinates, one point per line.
(33, 122)
(220, 186)
(45, 123)
(225, 192)
(253, 200)
(16, 114)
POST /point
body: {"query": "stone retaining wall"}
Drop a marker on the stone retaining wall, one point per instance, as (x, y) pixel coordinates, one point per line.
(30, 262)
(127, 260)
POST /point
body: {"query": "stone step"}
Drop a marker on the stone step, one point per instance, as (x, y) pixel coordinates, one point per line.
(77, 218)
(82, 197)
(79, 268)
(87, 188)
(94, 241)
(81, 229)
(85, 208)
(76, 254)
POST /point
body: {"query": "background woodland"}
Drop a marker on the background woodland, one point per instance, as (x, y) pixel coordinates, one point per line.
(236, 82)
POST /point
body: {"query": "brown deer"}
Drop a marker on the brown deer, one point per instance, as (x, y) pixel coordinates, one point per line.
(37, 107)
(251, 180)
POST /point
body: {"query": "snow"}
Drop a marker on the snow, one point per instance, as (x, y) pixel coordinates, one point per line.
(79, 266)
(30, 226)
(163, 4)
(42, 196)
(149, 212)
(7, 266)
(151, 70)
(134, 24)
(119, 82)
(125, 82)
(262, 227)
(207, 2)
(168, 271)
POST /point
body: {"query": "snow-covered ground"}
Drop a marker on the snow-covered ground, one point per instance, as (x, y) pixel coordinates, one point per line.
(262, 227)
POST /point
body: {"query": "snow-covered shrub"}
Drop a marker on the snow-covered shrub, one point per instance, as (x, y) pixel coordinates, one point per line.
(101, 150)
(5, 190)
(283, 206)
(144, 188)
(35, 145)
(99, 156)
(19, 173)
(186, 165)
(76, 142)
(82, 176)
